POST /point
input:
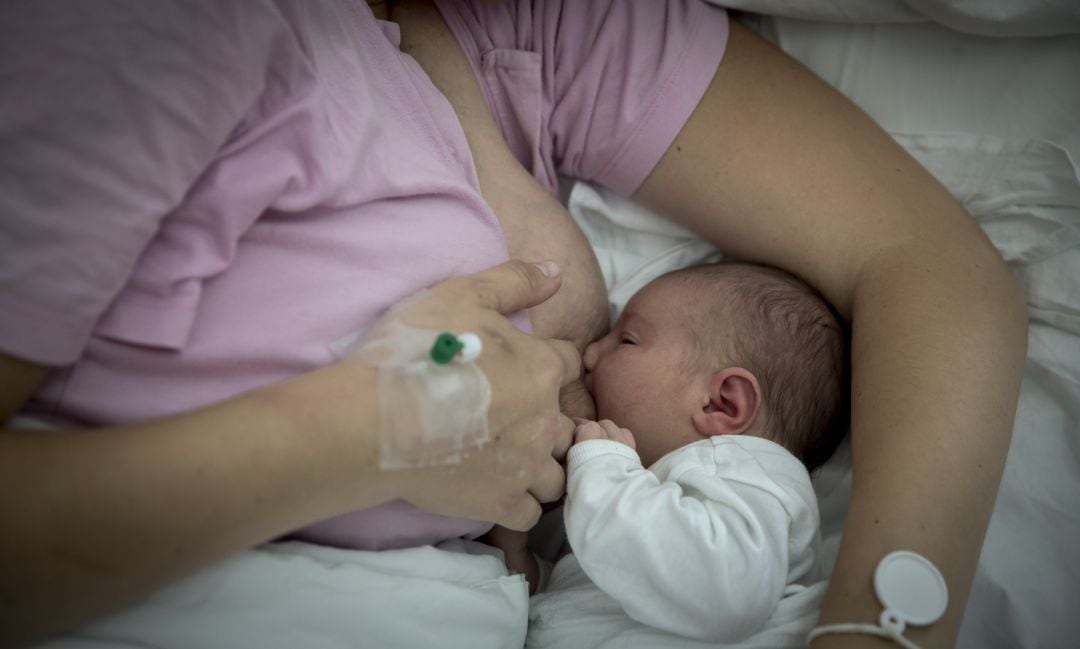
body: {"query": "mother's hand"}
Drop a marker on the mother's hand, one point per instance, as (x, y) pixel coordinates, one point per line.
(505, 480)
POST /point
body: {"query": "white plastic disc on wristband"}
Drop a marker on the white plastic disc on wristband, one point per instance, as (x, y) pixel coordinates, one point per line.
(911, 590)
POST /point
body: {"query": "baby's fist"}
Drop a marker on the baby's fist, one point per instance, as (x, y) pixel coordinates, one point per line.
(603, 429)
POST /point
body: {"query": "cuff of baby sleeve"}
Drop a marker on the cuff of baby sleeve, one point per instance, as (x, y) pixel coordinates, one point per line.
(582, 452)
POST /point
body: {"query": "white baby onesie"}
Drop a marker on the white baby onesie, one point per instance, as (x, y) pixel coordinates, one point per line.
(715, 543)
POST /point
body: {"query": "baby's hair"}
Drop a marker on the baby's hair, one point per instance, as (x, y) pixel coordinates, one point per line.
(780, 329)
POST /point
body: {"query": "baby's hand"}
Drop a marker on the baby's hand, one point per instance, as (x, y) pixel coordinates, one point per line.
(603, 429)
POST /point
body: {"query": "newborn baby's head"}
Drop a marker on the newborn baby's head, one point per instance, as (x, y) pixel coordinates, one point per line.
(723, 349)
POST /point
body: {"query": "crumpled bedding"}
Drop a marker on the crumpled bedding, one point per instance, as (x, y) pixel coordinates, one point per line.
(293, 595)
(982, 17)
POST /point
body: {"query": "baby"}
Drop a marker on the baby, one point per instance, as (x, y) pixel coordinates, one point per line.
(689, 506)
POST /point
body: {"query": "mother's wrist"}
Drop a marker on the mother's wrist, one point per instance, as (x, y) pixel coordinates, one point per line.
(332, 415)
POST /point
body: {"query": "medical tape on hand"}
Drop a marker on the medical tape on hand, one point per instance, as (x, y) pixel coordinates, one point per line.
(429, 413)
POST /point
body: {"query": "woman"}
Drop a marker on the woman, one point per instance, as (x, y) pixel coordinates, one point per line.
(255, 164)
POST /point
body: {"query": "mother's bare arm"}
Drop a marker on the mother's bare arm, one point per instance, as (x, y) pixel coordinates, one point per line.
(777, 167)
(92, 520)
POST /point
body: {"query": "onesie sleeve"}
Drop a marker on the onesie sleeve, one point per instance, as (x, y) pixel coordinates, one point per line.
(691, 555)
(109, 112)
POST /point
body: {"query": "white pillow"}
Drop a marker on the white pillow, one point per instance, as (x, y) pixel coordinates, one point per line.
(984, 17)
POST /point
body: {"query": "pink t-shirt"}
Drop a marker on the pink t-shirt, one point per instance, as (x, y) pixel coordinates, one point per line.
(199, 199)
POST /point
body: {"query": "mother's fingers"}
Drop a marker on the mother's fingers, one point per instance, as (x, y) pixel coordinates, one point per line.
(550, 483)
(506, 288)
(564, 437)
(522, 515)
(569, 357)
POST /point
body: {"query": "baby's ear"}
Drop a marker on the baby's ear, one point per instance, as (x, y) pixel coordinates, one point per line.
(734, 401)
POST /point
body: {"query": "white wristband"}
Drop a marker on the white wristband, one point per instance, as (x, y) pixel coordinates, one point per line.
(911, 590)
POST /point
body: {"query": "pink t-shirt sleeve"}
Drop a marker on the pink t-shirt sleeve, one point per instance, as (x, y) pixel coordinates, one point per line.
(110, 111)
(596, 90)
(625, 82)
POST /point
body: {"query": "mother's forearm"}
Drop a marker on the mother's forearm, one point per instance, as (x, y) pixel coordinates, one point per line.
(92, 520)
(939, 339)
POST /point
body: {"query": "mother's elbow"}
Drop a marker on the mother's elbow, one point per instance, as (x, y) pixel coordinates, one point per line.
(997, 290)
(951, 271)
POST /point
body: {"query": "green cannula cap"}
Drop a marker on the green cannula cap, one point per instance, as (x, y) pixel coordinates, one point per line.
(445, 348)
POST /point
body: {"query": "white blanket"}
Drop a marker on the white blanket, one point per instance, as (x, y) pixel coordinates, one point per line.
(295, 595)
(984, 17)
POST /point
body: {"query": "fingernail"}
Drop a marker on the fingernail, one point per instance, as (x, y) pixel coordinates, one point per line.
(548, 268)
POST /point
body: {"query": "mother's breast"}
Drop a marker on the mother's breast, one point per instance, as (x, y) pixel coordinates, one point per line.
(535, 225)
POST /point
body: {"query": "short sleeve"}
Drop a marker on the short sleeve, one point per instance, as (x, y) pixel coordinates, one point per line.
(596, 90)
(109, 112)
(626, 77)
